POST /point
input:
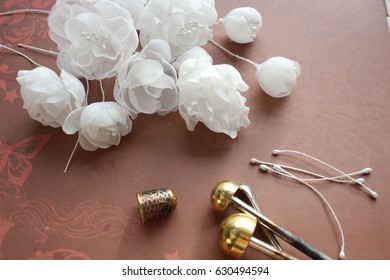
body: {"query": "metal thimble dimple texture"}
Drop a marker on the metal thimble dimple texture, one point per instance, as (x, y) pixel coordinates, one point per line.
(153, 203)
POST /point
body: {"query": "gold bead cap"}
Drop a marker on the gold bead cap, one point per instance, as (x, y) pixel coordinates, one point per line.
(222, 193)
(235, 233)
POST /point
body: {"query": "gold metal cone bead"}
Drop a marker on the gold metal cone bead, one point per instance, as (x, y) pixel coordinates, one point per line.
(222, 194)
(235, 233)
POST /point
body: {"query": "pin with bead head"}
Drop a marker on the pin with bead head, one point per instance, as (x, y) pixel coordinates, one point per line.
(223, 195)
(226, 190)
(236, 235)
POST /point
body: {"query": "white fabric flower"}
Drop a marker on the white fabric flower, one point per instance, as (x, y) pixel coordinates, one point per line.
(93, 36)
(278, 76)
(242, 24)
(183, 24)
(49, 98)
(100, 125)
(146, 83)
(210, 94)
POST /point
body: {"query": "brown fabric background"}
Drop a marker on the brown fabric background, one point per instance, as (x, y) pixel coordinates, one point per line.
(339, 112)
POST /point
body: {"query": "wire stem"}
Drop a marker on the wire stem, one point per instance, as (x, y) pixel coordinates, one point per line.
(71, 156)
(102, 90)
(233, 54)
(25, 11)
(40, 50)
(22, 54)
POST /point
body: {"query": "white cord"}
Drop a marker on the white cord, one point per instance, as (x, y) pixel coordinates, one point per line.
(22, 54)
(78, 141)
(233, 54)
(319, 177)
(25, 11)
(38, 49)
(371, 192)
(71, 156)
(102, 90)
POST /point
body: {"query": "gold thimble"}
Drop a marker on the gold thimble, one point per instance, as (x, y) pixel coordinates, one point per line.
(153, 203)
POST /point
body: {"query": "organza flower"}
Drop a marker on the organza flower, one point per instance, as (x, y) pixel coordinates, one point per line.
(93, 36)
(183, 24)
(210, 94)
(242, 24)
(49, 98)
(100, 125)
(278, 76)
(146, 82)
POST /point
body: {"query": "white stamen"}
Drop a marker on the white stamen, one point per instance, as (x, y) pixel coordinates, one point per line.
(96, 38)
(189, 28)
(371, 192)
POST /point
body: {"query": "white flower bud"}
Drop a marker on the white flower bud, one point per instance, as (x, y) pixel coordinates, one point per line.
(242, 24)
(48, 98)
(100, 125)
(278, 76)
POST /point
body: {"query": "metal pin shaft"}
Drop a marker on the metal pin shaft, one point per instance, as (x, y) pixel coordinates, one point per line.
(269, 250)
(286, 235)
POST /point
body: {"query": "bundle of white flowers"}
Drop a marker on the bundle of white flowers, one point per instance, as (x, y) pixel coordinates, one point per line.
(98, 39)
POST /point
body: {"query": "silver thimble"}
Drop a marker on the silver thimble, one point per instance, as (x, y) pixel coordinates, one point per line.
(153, 203)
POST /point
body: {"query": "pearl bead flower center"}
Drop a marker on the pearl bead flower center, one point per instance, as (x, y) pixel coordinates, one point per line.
(97, 38)
(253, 28)
(190, 28)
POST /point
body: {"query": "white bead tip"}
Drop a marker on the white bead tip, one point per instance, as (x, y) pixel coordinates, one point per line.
(374, 195)
(367, 170)
(341, 255)
(275, 152)
(360, 181)
(254, 161)
(264, 167)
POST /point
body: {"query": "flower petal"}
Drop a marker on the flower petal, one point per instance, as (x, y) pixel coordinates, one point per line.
(158, 46)
(195, 52)
(74, 86)
(85, 144)
(145, 72)
(72, 122)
